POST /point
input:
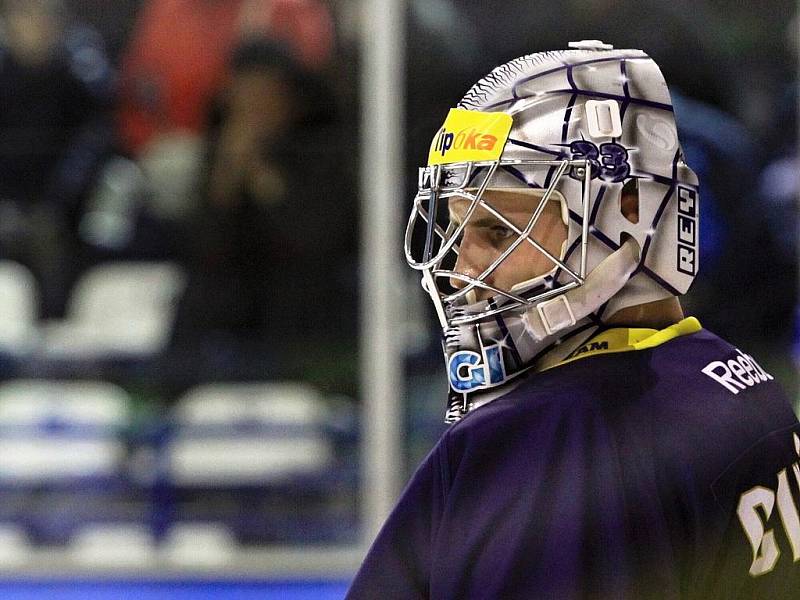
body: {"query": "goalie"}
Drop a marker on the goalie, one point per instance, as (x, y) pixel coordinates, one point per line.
(603, 444)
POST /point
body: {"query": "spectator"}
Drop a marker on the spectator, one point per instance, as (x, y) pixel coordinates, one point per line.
(176, 60)
(267, 254)
(55, 88)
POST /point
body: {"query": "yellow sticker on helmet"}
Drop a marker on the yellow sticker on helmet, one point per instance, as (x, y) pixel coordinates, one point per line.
(469, 136)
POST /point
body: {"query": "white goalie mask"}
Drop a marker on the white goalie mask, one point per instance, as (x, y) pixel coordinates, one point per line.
(570, 127)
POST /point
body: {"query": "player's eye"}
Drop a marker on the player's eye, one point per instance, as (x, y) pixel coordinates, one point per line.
(501, 233)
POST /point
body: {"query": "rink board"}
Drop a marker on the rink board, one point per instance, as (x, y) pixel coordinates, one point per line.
(172, 590)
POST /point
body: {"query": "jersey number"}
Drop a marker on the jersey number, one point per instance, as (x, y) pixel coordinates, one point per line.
(761, 500)
(609, 162)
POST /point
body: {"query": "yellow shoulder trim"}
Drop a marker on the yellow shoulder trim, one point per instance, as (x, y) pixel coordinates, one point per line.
(627, 339)
(682, 327)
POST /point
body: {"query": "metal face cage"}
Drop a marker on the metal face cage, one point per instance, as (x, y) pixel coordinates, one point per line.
(435, 251)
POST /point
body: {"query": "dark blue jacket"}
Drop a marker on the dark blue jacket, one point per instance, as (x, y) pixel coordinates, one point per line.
(670, 472)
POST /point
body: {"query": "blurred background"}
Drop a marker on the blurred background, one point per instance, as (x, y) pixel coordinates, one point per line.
(190, 354)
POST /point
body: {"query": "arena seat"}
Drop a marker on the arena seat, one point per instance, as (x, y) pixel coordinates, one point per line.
(123, 309)
(19, 299)
(51, 430)
(113, 545)
(195, 545)
(63, 456)
(261, 460)
(246, 433)
(15, 546)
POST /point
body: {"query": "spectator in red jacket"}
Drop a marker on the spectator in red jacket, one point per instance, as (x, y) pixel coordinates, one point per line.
(176, 61)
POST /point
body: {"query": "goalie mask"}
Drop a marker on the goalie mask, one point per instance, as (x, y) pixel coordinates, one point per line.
(537, 156)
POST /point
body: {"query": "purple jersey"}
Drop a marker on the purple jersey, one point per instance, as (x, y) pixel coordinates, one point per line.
(666, 472)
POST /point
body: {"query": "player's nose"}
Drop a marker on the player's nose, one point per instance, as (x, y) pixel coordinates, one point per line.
(468, 262)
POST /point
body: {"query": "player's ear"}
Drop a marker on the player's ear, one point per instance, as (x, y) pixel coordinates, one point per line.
(629, 200)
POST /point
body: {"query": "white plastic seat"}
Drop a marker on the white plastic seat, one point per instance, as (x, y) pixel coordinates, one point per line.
(118, 309)
(85, 443)
(113, 545)
(209, 447)
(18, 308)
(199, 545)
(269, 403)
(30, 402)
(15, 546)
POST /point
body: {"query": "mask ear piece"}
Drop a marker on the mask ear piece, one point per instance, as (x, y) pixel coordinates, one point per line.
(629, 200)
(564, 210)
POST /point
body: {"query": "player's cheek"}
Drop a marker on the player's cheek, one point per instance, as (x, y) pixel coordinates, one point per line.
(517, 267)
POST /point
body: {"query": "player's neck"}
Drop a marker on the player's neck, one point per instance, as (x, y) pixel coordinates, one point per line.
(655, 315)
